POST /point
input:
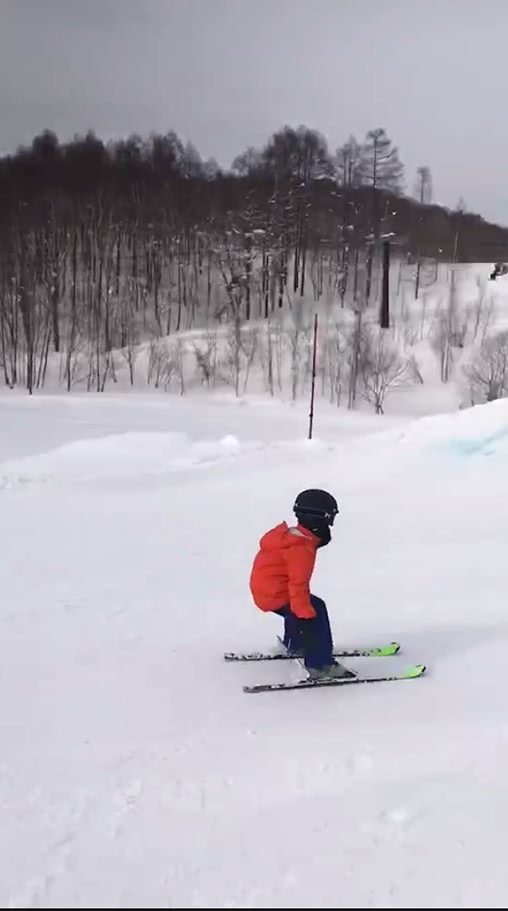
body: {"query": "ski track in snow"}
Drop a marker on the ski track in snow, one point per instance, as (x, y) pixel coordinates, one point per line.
(135, 772)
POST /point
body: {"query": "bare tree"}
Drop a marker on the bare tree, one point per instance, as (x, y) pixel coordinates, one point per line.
(348, 162)
(250, 348)
(460, 211)
(206, 355)
(355, 345)
(380, 166)
(380, 169)
(449, 331)
(130, 353)
(483, 311)
(232, 361)
(178, 359)
(423, 188)
(336, 351)
(266, 358)
(382, 366)
(299, 335)
(488, 370)
(161, 364)
(249, 162)
(423, 193)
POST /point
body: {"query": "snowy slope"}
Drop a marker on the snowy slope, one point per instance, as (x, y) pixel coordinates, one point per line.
(135, 772)
(456, 309)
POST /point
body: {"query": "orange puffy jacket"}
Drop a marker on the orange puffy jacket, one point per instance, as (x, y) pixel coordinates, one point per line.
(282, 570)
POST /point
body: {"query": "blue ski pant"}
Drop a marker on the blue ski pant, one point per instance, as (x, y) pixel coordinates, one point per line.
(312, 637)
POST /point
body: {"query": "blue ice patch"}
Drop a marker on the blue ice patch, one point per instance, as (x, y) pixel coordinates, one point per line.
(486, 446)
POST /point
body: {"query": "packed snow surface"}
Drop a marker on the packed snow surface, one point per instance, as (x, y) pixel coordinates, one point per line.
(134, 771)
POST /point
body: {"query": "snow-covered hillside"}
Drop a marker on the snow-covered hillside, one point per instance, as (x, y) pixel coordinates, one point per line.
(447, 346)
(134, 771)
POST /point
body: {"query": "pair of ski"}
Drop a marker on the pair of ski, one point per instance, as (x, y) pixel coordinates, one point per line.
(380, 651)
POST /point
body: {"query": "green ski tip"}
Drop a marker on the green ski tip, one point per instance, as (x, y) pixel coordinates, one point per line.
(416, 670)
(386, 650)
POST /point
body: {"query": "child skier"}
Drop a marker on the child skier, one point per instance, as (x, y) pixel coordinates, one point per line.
(280, 582)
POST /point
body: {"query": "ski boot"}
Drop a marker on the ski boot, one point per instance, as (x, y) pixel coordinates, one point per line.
(333, 671)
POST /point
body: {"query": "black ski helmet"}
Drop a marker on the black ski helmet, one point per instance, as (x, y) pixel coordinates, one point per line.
(316, 504)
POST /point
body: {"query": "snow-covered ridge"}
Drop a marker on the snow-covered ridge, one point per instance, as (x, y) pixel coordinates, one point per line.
(479, 430)
(120, 455)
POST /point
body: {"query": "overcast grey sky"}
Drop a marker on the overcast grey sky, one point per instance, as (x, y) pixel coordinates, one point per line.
(227, 73)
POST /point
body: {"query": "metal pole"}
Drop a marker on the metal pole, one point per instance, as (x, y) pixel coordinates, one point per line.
(311, 412)
(385, 297)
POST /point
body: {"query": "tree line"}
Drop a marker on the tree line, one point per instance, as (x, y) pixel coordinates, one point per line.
(103, 245)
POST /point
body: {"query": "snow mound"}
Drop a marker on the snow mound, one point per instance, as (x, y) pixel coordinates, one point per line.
(117, 457)
(480, 430)
(120, 456)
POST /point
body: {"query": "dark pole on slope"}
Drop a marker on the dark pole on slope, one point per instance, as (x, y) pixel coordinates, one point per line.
(384, 319)
(311, 413)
